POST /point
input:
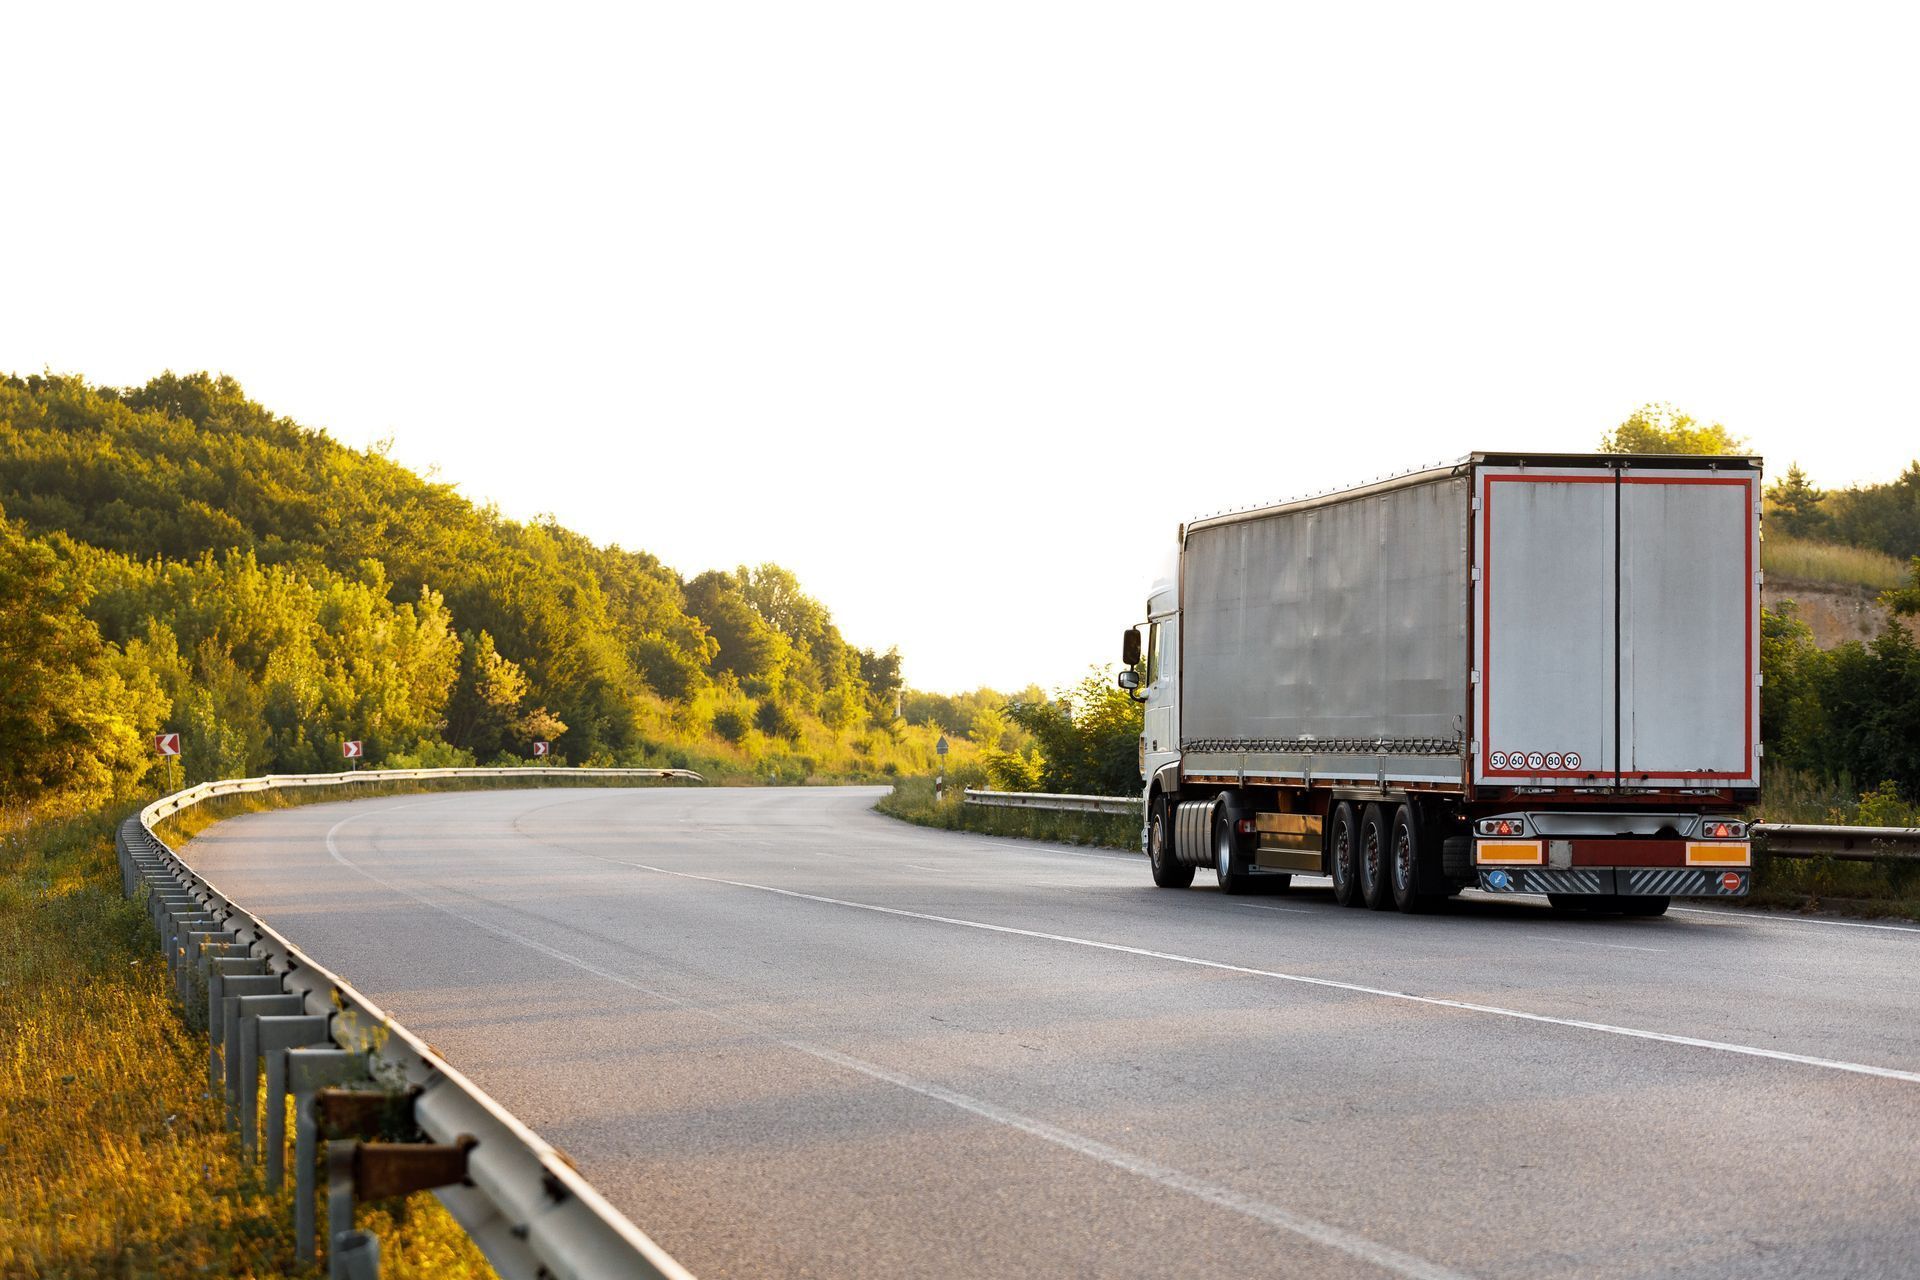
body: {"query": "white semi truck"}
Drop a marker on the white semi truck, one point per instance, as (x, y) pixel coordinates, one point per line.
(1530, 674)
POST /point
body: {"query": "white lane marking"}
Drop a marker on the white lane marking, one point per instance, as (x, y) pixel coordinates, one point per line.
(1521, 1015)
(1383, 1256)
(1264, 906)
(1757, 917)
(1611, 946)
(918, 867)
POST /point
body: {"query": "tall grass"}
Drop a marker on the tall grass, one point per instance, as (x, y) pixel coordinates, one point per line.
(113, 1157)
(1868, 888)
(912, 800)
(1798, 560)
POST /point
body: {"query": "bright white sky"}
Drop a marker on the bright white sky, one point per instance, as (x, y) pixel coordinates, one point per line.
(958, 310)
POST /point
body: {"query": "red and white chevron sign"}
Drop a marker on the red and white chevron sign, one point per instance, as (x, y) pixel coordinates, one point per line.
(539, 748)
(351, 750)
(167, 744)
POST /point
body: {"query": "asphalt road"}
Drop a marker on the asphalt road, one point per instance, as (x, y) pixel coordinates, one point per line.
(791, 1037)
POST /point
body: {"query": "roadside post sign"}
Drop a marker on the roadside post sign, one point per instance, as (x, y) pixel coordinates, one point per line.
(941, 746)
(940, 782)
(168, 745)
(539, 748)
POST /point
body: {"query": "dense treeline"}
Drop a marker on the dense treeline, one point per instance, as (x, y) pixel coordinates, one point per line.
(176, 556)
(1880, 517)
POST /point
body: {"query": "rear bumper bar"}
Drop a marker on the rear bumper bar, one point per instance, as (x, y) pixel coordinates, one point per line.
(1652, 882)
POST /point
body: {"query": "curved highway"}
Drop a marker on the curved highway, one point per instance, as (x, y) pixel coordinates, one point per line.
(791, 1037)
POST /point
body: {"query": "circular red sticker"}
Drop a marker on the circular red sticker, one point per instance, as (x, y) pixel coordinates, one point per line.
(1730, 881)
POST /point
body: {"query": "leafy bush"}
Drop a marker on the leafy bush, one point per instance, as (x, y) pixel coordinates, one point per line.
(731, 723)
(1088, 739)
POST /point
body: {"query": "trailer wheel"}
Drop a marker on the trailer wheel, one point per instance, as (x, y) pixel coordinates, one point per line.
(1343, 847)
(1376, 845)
(1229, 864)
(1168, 872)
(1407, 855)
(1644, 906)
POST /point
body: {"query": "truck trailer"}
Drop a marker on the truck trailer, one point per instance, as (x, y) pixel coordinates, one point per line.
(1524, 674)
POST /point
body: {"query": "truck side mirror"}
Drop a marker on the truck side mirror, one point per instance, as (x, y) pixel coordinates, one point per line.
(1130, 648)
(1129, 680)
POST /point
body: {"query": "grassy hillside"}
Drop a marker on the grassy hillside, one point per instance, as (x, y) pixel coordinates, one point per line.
(1804, 560)
(177, 556)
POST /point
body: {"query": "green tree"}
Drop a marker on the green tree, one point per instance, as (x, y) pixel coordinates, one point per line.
(1904, 602)
(1088, 737)
(1885, 517)
(484, 713)
(1871, 696)
(74, 723)
(1660, 428)
(1795, 506)
(1793, 724)
(747, 644)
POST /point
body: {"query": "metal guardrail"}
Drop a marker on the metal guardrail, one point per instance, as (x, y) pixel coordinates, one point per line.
(1778, 839)
(356, 1073)
(1052, 801)
(1851, 844)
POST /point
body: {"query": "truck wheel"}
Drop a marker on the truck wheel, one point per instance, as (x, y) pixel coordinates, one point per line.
(1376, 845)
(1167, 872)
(1343, 848)
(1639, 906)
(1229, 864)
(1406, 856)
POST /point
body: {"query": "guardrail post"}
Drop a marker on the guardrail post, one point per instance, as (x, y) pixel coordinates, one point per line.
(359, 1255)
(277, 1036)
(218, 971)
(201, 949)
(233, 990)
(339, 1204)
(309, 1071)
(247, 1011)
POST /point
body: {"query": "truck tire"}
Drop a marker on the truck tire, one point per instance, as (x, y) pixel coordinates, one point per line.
(1407, 858)
(1168, 872)
(1644, 906)
(1229, 862)
(1376, 844)
(1343, 849)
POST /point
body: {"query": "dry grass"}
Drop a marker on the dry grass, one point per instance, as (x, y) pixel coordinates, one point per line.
(113, 1157)
(1795, 560)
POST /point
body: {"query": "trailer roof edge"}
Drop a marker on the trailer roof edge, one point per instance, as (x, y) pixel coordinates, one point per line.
(1445, 470)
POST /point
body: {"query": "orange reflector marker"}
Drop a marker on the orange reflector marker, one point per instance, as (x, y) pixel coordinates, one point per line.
(1719, 853)
(1509, 853)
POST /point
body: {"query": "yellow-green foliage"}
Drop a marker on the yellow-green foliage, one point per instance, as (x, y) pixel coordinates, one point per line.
(1788, 559)
(113, 1158)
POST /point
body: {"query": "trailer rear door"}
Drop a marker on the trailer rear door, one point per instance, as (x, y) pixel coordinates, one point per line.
(1616, 618)
(1688, 636)
(1545, 617)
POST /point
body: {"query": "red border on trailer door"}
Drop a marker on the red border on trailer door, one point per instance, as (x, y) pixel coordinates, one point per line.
(1486, 624)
